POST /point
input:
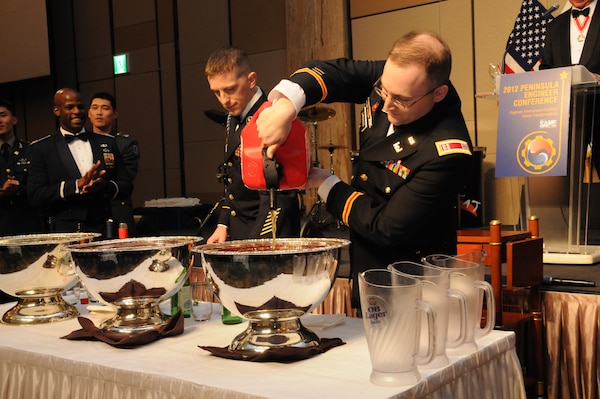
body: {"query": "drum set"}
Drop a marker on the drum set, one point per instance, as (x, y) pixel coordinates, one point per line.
(318, 218)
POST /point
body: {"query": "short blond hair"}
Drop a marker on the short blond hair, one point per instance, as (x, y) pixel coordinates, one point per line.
(227, 59)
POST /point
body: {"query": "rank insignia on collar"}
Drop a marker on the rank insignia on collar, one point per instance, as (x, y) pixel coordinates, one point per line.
(397, 167)
(411, 140)
(397, 147)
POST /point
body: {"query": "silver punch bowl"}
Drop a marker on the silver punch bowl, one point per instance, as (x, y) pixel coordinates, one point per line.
(134, 275)
(272, 285)
(36, 269)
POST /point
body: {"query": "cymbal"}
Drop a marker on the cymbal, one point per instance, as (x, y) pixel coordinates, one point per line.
(316, 114)
(216, 116)
(331, 147)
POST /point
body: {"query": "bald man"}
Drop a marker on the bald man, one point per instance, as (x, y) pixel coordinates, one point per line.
(75, 174)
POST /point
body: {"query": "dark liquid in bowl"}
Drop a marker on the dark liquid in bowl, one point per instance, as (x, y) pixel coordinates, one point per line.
(267, 246)
(133, 244)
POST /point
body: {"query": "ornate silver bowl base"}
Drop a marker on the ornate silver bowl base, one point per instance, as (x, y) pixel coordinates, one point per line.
(37, 306)
(135, 316)
(274, 329)
(134, 275)
(272, 286)
(36, 269)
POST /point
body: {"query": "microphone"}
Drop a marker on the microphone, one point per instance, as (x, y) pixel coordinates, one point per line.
(550, 10)
(549, 280)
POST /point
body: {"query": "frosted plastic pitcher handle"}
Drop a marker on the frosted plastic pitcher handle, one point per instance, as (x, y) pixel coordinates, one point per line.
(431, 328)
(490, 319)
(460, 297)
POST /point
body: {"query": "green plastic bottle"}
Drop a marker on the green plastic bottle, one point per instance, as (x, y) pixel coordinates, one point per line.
(228, 318)
(183, 300)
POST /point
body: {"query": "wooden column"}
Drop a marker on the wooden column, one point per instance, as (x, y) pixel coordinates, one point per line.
(318, 29)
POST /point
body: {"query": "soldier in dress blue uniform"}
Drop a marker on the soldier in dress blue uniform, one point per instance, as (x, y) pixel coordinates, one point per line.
(415, 150)
(17, 216)
(74, 174)
(244, 213)
(102, 115)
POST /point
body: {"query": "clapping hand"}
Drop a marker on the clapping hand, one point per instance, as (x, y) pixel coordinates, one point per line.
(92, 180)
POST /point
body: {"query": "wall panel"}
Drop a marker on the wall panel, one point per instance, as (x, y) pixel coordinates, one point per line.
(140, 114)
(266, 32)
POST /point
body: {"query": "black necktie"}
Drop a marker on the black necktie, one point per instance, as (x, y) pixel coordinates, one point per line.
(5, 151)
(235, 122)
(81, 136)
(575, 13)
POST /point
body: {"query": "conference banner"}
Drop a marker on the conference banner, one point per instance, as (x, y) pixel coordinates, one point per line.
(533, 123)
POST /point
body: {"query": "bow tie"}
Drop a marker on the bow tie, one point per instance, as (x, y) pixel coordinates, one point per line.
(81, 136)
(575, 13)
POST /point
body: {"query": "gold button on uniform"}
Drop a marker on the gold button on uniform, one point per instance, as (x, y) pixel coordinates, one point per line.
(388, 190)
(231, 197)
(229, 164)
(233, 213)
(364, 177)
(230, 180)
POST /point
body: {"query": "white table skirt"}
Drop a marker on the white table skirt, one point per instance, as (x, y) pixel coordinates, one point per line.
(35, 363)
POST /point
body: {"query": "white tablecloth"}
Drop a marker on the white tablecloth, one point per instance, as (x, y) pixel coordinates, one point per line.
(35, 363)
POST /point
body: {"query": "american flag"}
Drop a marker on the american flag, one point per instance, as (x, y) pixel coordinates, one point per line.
(525, 43)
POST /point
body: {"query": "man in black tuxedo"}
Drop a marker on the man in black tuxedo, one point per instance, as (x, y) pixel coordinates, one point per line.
(573, 38)
(75, 174)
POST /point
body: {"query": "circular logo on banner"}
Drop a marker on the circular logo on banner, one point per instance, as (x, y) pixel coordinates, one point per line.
(536, 154)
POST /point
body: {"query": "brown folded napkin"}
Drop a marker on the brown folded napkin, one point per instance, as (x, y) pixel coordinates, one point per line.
(173, 326)
(281, 355)
(132, 289)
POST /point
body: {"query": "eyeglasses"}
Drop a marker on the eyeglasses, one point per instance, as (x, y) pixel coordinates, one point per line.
(397, 102)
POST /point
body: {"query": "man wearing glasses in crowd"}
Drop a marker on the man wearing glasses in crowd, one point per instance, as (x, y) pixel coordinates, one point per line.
(415, 150)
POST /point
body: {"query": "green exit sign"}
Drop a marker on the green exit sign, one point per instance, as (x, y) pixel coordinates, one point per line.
(120, 63)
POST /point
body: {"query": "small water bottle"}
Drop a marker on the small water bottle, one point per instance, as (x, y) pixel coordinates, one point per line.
(182, 300)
